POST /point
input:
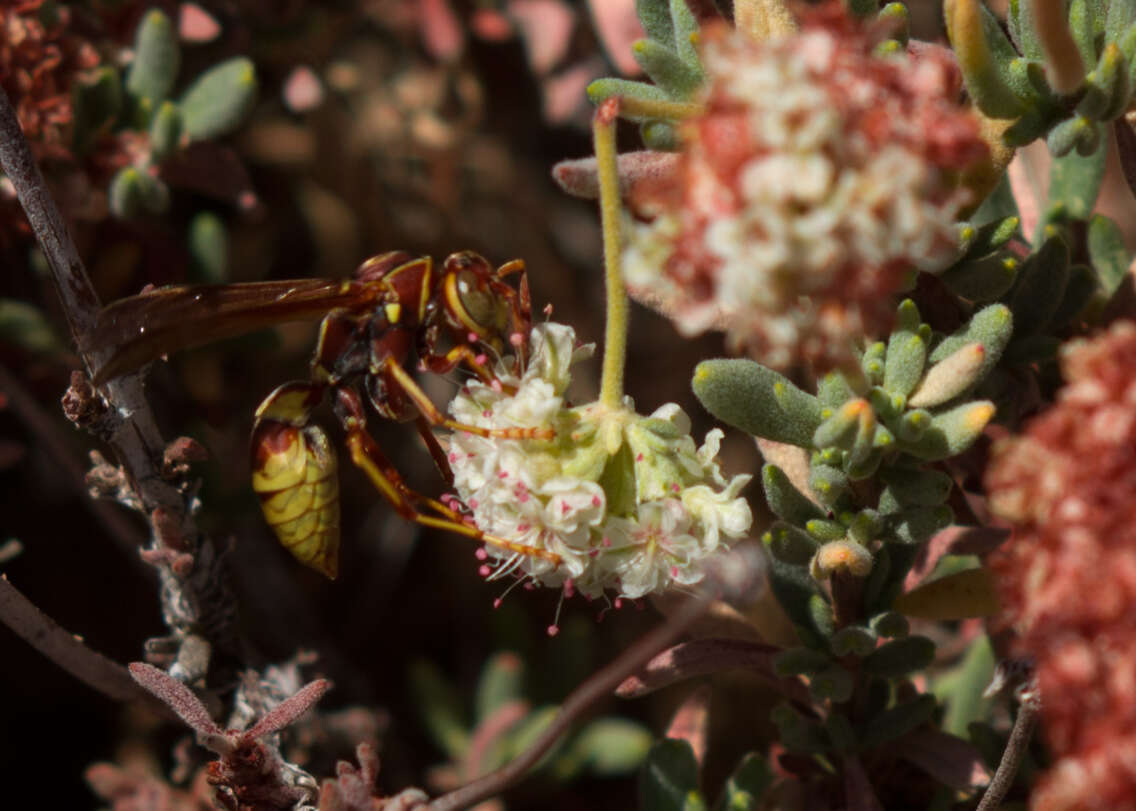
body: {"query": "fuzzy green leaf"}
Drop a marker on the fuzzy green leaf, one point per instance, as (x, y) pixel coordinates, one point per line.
(655, 15)
(951, 432)
(899, 720)
(209, 248)
(611, 746)
(1106, 87)
(828, 483)
(667, 70)
(1040, 286)
(917, 488)
(685, 32)
(906, 354)
(757, 400)
(832, 684)
(219, 100)
(1081, 25)
(825, 530)
(785, 500)
(1111, 258)
(1074, 183)
(668, 780)
(891, 625)
(790, 544)
(1121, 15)
(853, 640)
(440, 707)
(895, 18)
(96, 103)
(660, 136)
(500, 683)
(746, 787)
(800, 662)
(980, 62)
(899, 657)
(1079, 291)
(984, 279)
(992, 326)
(917, 524)
(601, 90)
(165, 130)
(832, 391)
(793, 588)
(157, 59)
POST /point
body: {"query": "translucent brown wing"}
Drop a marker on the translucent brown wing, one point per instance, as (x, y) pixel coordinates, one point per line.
(140, 328)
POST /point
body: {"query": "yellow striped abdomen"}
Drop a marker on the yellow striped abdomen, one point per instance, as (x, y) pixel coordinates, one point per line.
(294, 473)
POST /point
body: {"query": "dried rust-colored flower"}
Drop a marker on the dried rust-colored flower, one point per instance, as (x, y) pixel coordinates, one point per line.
(817, 176)
(40, 58)
(1068, 576)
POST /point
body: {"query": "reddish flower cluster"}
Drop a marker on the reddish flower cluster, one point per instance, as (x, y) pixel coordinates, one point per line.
(1068, 576)
(39, 60)
(817, 170)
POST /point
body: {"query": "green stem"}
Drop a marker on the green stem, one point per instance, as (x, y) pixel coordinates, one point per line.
(615, 337)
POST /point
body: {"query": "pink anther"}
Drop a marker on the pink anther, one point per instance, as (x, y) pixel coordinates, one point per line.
(481, 359)
(596, 501)
(472, 337)
(484, 571)
(553, 630)
(516, 339)
(481, 554)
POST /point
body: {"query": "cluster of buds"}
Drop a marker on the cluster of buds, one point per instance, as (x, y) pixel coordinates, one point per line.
(817, 169)
(614, 501)
(1068, 576)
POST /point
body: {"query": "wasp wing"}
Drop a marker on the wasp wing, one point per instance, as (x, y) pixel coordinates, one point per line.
(141, 328)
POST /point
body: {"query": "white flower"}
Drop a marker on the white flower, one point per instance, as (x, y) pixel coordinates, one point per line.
(623, 502)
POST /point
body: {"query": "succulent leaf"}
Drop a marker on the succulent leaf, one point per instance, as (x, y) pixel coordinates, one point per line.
(219, 100)
(157, 59)
(757, 400)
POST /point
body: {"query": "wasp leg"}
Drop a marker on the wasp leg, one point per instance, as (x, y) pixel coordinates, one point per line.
(400, 377)
(520, 302)
(367, 456)
(436, 451)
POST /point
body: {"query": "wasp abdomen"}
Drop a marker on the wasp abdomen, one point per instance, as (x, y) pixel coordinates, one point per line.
(294, 473)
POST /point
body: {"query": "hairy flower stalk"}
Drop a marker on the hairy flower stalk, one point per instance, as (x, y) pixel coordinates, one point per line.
(818, 176)
(623, 502)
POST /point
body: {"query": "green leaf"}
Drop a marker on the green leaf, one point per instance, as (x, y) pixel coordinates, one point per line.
(659, 135)
(893, 561)
(999, 204)
(1081, 26)
(667, 70)
(899, 657)
(601, 90)
(899, 720)
(982, 280)
(1121, 15)
(25, 326)
(685, 32)
(917, 488)
(832, 684)
(611, 746)
(96, 102)
(785, 500)
(961, 687)
(757, 400)
(134, 192)
(165, 130)
(951, 432)
(1074, 183)
(793, 588)
(917, 524)
(1106, 87)
(746, 787)
(500, 683)
(1079, 291)
(219, 100)
(1111, 258)
(157, 59)
(891, 625)
(800, 662)
(828, 483)
(1041, 284)
(797, 733)
(209, 248)
(440, 708)
(992, 326)
(655, 15)
(789, 544)
(853, 640)
(668, 780)
(981, 61)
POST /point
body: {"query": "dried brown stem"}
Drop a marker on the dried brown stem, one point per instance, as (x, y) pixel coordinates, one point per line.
(68, 651)
(1015, 753)
(583, 698)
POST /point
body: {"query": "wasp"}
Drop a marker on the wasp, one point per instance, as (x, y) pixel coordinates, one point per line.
(394, 308)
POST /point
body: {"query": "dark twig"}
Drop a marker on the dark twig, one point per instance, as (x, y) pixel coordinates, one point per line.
(583, 698)
(68, 651)
(1016, 748)
(135, 437)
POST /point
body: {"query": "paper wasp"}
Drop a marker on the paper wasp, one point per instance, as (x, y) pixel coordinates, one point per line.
(394, 307)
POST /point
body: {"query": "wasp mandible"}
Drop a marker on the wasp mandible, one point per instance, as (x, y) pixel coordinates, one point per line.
(394, 307)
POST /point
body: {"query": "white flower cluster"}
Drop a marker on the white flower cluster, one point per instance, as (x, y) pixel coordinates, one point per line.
(624, 502)
(803, 178)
